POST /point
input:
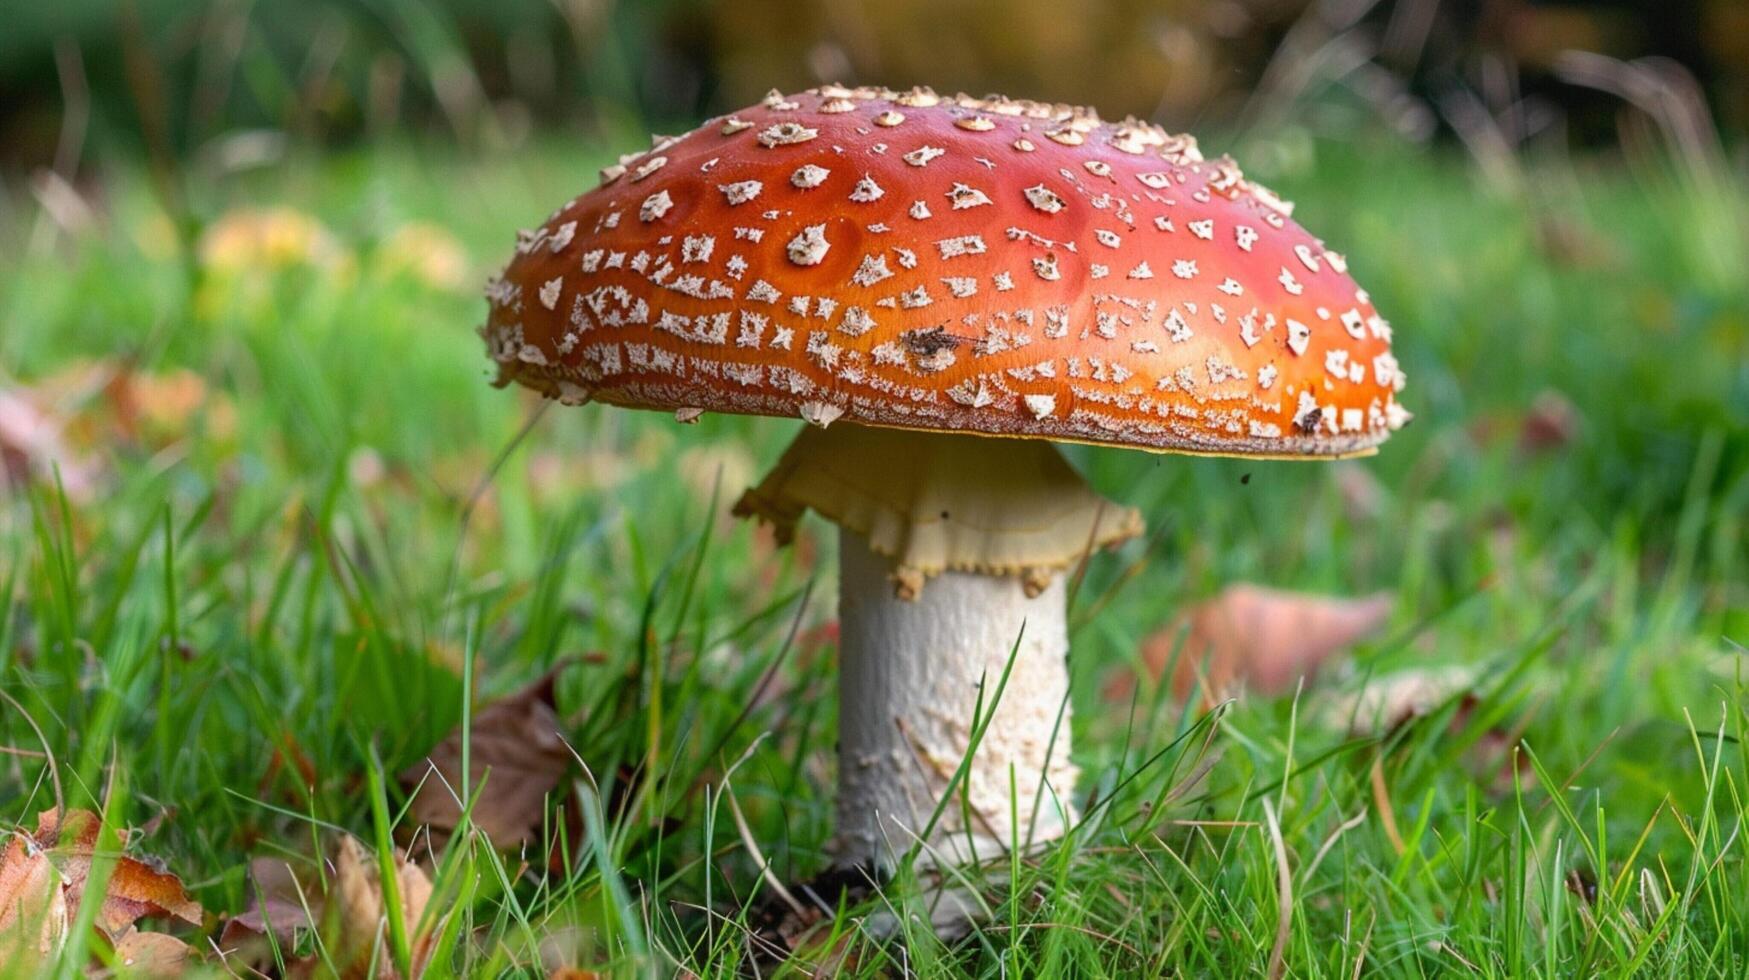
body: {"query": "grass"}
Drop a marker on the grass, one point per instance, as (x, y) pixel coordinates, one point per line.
(280, 592)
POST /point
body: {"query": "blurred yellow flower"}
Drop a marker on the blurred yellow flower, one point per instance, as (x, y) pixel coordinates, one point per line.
(426, 252)
(246, 248)
(248, 239)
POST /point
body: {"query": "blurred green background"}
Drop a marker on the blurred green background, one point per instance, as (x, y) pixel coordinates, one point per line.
(182, 73)
(259, 497)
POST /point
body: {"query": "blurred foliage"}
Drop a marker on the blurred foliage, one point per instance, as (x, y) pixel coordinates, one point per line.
(178, 73)
(174, 76)
(1140, 57)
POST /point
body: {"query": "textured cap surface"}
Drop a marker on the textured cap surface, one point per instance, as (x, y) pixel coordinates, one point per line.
(976, 265)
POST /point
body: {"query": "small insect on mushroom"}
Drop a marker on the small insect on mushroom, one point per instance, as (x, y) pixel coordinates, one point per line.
(943, 289)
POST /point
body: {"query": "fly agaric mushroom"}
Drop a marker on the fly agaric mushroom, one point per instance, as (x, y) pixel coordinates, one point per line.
(957, 283)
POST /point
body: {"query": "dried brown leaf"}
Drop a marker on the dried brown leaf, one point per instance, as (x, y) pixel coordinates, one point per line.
(1256, 638)
(276, 905)
(33, 903)
(32, 447)
(1548, 424)
(151, 954)
(64, 420)
(363, 913)
(360, 896)
(137, 888)
(1552, 422)
(1389, 701)
(517, 750)
(43, 876)
(352, 916)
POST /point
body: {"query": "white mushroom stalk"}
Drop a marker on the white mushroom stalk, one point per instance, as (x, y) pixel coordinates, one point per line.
(954, 721)
(913, 676)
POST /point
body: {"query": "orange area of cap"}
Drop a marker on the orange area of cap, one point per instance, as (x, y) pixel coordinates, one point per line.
(983, 266)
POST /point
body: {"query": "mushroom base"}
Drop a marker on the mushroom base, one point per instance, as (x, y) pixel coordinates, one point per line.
(910, 672)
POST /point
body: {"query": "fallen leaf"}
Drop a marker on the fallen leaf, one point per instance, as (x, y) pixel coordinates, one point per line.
(136, 889)
(162, 407)
(43, 876)
(68, 419)
(363, 913)
(1551, 423)
(516, 749)
(1256, 638)
(33, 903)
(287, 755)
(276, 905)
(32, 448)
(1389, 701)
(352, 916)
(152, 954)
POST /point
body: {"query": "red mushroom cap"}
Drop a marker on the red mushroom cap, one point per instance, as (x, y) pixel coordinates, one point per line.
(973, 265)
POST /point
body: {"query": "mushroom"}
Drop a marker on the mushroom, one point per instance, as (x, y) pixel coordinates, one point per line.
(943, 288)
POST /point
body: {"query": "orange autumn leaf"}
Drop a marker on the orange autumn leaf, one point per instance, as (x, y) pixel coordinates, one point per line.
(136, 889)
(1250, 637)
(33, 904)
(43, 877)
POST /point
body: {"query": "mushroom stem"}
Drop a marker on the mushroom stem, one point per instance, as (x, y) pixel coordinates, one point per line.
(913, 674)
(952, 553)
